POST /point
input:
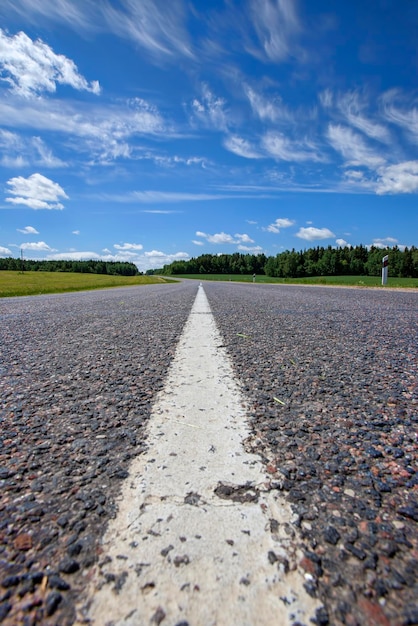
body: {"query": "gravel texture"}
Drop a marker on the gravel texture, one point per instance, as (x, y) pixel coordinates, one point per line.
(331, 380)
(78, 375)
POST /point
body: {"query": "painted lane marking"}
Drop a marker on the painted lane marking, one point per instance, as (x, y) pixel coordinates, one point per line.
(198, 537)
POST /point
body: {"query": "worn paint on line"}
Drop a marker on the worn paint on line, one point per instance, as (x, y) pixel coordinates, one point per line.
(198, 538)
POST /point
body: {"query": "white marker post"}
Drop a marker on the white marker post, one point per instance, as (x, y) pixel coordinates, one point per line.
(385, 266)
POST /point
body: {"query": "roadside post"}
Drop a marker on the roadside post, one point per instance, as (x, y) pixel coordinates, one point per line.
(253, 278)
(385, 266)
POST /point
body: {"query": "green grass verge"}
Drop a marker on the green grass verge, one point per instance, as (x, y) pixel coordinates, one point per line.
(36, 283)
(342, 281)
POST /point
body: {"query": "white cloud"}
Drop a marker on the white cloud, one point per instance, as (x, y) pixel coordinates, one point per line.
(241, 147)
(251, 249)
(398, 110)
(342, 243)
(74, 256)
(160, 211)
(156, 258)
(352, 147)
(210, 110)
(281, 222)
(20, 151)
(386, 241)
(270, 110)
(326, 98)
(220, 238)
(38, 246)
(104, 131)
(158, 26)
(155, 25)
(28, 230)
(352, 107)
(36, 192)
(161, 197)
(197, 242)
(60, 10)
(31, 67)
(128, 246)
(46, 157)
(280, 147)
(313, 234)
(399, 178)
(5, 251)
(75, 232)
(275, 23)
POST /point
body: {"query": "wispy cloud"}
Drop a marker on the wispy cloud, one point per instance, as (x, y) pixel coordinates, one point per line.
(210, 110)
(276, 24)
(5, 251)
(35, 192)
(80, 16)
(105, 131)
(21, 151)
(314, 234)
(353, 147)
(32, 67)
(155, 25)
(267, 109)
(241, 147)
(280, 147)
(398, 109)
(352, 108)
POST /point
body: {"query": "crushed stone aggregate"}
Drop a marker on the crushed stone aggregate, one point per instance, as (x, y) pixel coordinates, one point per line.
(330, 376)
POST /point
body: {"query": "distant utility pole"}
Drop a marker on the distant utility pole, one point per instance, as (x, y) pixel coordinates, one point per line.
(385, 267)
(22, 265)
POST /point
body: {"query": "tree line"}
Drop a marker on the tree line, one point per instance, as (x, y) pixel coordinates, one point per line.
(118, 268)
(320, 261)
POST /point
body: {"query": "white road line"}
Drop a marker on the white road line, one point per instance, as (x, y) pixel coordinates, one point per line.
(183, 547)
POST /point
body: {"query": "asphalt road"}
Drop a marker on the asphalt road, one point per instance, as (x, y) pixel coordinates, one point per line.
(330, 381)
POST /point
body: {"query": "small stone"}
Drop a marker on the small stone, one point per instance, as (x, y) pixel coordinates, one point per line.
(56, 582)
(23, 542)
(410, 510)
(5, 608)
(321, 617)
(272, 557)
(68, 566)
(331, 535)
(158, 616)
(357, 552)
(52, 602)
(181, 560)
(10, 581)
(165, 551)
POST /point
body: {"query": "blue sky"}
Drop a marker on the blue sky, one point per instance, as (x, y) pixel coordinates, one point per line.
(149, 131)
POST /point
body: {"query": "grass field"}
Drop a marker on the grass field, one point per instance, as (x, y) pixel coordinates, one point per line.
(36, 283)
(343, 281)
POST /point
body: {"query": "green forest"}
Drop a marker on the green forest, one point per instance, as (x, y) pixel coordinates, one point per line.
(113, 268)
(348, 261)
